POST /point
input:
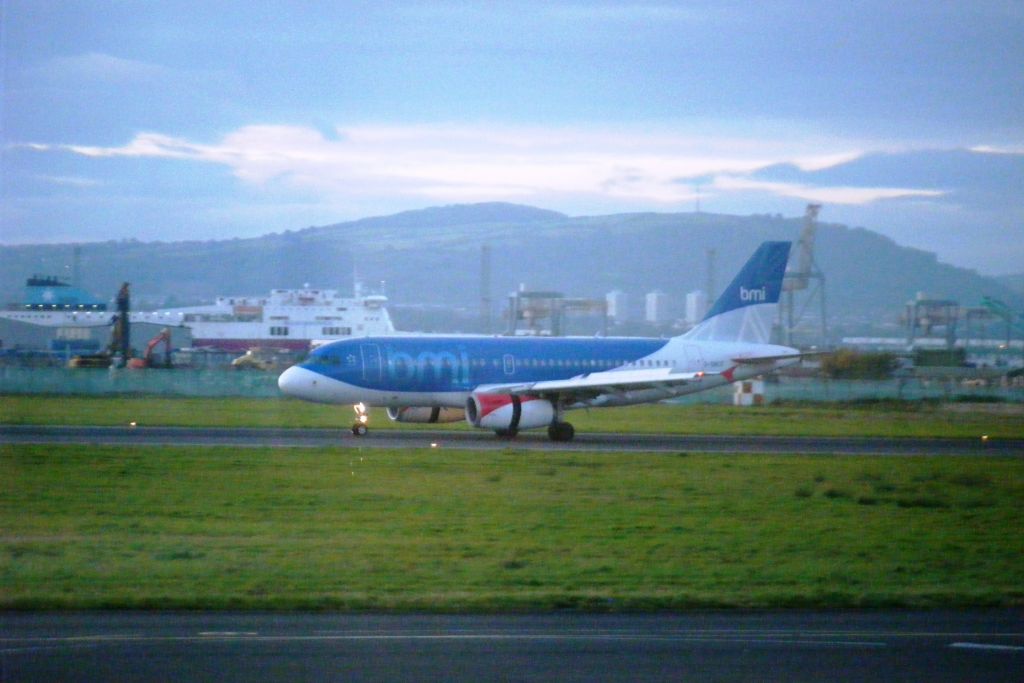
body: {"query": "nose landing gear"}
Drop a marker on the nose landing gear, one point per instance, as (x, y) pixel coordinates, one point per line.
(360, 427)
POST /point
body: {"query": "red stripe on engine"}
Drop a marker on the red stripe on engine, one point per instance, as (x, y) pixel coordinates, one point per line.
(491, 402)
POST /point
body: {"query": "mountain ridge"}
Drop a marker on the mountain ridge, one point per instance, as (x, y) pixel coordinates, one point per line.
(432, 256)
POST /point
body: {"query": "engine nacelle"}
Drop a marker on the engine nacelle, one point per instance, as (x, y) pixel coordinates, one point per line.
(508, 413)
(426, 414)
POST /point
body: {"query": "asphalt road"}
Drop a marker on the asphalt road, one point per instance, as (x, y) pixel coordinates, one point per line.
(763, 646)
(482, 440)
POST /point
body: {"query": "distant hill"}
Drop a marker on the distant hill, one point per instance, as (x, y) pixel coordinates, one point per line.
(1014, 282)
(433, 256)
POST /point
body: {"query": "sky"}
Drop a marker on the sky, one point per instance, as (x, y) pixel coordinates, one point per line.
(212, 120)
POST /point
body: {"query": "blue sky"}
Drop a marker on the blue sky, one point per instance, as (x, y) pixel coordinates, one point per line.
(198, 120)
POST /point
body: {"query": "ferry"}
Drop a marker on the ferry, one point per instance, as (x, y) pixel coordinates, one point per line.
(286, 320)
(52, 302)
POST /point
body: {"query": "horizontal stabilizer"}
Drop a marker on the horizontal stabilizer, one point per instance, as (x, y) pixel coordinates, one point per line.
(757, 360)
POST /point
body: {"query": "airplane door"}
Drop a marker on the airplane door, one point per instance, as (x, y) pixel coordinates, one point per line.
(510, 364)
(372, 370)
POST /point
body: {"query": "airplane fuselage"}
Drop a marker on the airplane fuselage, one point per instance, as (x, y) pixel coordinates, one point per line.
(445, 370)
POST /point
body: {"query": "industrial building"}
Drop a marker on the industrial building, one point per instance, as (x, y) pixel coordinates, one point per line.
(617, 302)
(656, 307)
(60, 343)
(696, 306)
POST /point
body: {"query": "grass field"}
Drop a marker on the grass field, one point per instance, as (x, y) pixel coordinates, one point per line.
(362, 529)
(886, 419)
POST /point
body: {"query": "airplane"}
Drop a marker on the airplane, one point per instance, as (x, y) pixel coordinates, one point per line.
(508, 384)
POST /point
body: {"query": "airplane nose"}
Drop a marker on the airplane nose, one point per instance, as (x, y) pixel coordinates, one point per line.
(286, 381)
(310, 385)
(296, 381)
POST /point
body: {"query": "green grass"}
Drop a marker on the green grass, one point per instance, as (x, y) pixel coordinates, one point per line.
(893, 420)
(365, 529)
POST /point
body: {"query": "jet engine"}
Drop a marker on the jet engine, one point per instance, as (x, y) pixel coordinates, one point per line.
(426, 414)
(505, 413)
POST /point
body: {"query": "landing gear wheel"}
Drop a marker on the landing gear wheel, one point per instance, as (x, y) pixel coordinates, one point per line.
(362, 417)
(561, 431)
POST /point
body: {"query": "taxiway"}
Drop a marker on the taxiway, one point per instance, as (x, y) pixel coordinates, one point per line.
(483, 440)
(980, 645)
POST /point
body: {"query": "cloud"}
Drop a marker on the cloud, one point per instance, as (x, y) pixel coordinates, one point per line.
(69, 181)
(101, 67)
(820, 163)
(993, 149)
(107, 79)
(827, 195)
(150, 145)
(470, 163)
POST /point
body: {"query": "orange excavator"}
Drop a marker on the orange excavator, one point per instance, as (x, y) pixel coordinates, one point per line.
(147, 359)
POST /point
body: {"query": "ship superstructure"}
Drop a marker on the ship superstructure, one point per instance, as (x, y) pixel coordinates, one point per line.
(53, 302)
(287, 319)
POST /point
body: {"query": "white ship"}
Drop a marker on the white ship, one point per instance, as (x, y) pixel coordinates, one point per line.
(288, 319)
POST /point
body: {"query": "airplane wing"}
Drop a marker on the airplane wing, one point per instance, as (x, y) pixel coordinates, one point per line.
(591, 385)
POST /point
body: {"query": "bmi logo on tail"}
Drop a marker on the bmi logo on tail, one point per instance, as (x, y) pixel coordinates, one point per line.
(753, 294)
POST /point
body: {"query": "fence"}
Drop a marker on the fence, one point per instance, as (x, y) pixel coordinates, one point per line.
(102, 381)
(824, 390)
(221, 382)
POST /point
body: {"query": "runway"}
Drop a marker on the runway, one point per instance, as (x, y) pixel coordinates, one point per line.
(762, 646)
(485, 440)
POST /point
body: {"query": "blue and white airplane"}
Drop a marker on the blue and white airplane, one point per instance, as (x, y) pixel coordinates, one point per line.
(511, 383)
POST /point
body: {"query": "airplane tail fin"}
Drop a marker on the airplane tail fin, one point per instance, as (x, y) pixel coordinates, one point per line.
(746, 309)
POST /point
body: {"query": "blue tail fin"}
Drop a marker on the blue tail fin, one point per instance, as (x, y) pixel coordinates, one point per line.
(746, 309)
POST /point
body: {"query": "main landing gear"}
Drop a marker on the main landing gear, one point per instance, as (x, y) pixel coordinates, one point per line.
(557, 431)
(561, 431)
(360, 427)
